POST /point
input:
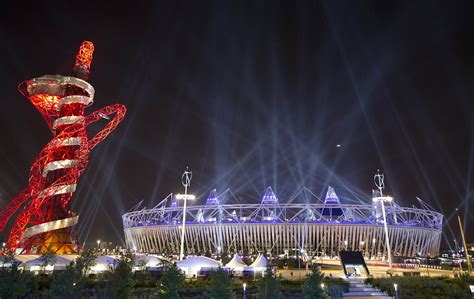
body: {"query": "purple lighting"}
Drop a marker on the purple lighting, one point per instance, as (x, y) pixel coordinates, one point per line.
(174, 202)
(212, 198)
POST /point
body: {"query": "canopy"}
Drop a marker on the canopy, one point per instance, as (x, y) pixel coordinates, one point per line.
(236, 263)
(193, 265)
(149, 261)
(199, 261)
(104, 263)
(259, 263)
(59, 262)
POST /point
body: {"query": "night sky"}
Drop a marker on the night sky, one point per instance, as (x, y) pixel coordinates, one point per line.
(251, 94)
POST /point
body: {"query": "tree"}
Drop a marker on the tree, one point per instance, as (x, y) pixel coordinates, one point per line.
(7, 259)
(221, 285)
(85, 261)
(226, 257)
(66, 283)
(269, 286)
(170, 283)
(47, 259)
(312, 287)
(121, 282)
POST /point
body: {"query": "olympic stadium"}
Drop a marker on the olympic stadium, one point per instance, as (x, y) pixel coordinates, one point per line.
(314, 228)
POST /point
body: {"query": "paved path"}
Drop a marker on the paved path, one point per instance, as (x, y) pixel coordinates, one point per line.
(359, 290)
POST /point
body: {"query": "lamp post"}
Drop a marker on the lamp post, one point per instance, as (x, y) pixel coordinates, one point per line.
(186, 181)
(379, 182)
(245, 289)
(395, 286)
(98, 245)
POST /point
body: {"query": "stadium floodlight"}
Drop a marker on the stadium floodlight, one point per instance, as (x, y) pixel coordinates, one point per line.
(382, 198)
(379, 182)
(186, 181)
(185, 196)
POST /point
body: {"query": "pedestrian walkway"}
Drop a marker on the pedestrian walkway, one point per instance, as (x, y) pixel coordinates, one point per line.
(359, 290)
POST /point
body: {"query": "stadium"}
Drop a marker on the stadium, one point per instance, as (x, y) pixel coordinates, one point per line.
(312, 228)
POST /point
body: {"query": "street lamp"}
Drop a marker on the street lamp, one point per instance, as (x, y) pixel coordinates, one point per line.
(98, 244)
(378, 178)
(395, 286)
(245, 289)
(186, 181)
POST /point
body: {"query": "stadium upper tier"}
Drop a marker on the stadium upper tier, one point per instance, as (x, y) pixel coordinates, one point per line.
(323, 227)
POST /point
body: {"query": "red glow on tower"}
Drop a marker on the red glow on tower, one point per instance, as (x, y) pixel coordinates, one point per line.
(82, 66)
(46, 222)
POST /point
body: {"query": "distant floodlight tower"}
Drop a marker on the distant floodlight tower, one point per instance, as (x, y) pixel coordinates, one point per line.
(379, 183)
(186, 181)
(46, 221)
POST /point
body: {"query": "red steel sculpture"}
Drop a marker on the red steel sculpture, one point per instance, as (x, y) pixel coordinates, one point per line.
(46, 222)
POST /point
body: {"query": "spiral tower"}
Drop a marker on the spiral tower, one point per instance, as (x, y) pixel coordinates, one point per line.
(46, 221)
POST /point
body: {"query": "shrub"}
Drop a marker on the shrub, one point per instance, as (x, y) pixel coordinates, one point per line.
(424, 287)
(14, 283)
(65, 283)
